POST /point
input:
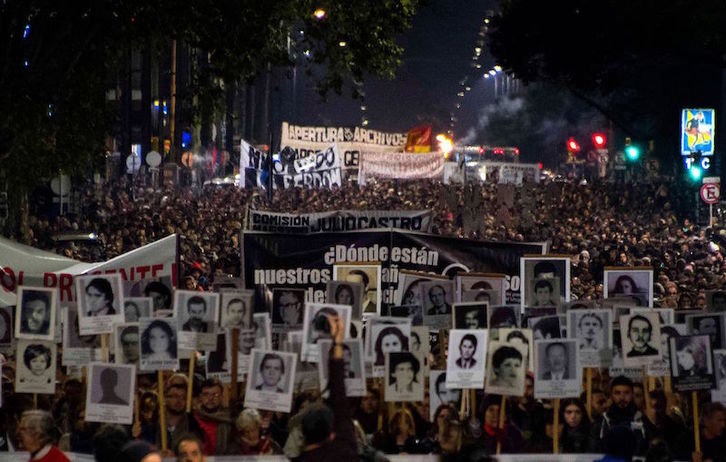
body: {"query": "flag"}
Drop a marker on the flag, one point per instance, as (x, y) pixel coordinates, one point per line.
(419, 139)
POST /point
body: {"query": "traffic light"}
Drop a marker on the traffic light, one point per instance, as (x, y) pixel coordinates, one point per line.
(632, 152)
(572, 145)
(695, 172)
(599, 140)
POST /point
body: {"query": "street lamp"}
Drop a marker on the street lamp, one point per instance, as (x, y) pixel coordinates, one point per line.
(319, 13)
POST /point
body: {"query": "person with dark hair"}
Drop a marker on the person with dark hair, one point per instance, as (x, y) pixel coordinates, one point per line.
(369, 302)
(556, 362)
(475, 318)
(132, 312)
(589, 330)
(178, 421)
(544, 269)
(713, 444)
(390, 339)
(709, 325)
(272, 371)
(35, 315)
(344, 294)
(403, 369)
(575, 438)
(508, 436)
(543, 293)
(99, 298)
(640, 332)
(320, 329)
(236, 314)
(109, 381)
(158, 342)
(138, 451)
(446, 395)
(367, 413)
(401, 435)
(189, 449)
(506, 365)
(467, 350)
(546, 327)
(328, 433)
(625, 285)
(129, 341)
(37, 358)
(196, 308)
(108, 441)
(502, 316)
(289, 308)
(214, 420)
(439, 305)
(160, 295)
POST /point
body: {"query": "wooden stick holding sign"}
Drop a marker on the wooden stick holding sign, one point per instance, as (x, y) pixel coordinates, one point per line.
(502, 418)
(646, 391)
(104, 347)
(472, 403)
(588, 391)
(696, 429)
(190, 382)
(234, 365)
(35, 401)
(162, 410)
(556, 428)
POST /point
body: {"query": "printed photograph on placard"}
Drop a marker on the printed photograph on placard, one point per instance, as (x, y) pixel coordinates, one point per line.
(440, 394)
(100, 303)
(346, 293)
(35, 366)
(420, 345)
(78, 350)
(493, 297)
(370, 339)
(534, 268)
(557, 369)
(196, 312)
(640, 336)
(353, 366)
(466, 361)
(388, 338)
(127, 343)
(494, 285)
(159, 344)
(506, 368)
(666, 315)
(404, 377)
(408, 291)
(263, 332)
(306, 374)
(316, 326)
(545, 327)
(110, 395)
(634, 284)
(412, 312)
(6, 325)
(718, 394)
(617, 367)
(692, 363)
(663, 367)
(520, 339)
(235, 308)
(36, 313)
(592, 329)
(136, 308)
(716, 301)
(227, 283)
(503, 316)
(271, 378)
(437, 296)
(287, 309)
(713, 325)
(369, 276)
(159, 290)
(470, 315)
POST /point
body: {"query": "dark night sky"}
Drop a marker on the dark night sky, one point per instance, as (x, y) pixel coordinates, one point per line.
(438, 53)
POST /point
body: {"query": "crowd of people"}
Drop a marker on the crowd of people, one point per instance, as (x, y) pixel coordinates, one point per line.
(602, 225)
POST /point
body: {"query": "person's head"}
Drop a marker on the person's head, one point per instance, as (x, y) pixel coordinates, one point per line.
(138, 451)
(317, 425)
(344, 294)
(482, 296)
(707, 325)
(543, 292)
(175, 397)
(467, 346)
(196, 307)
(211, 395)
(160, 295)
(158, 338)
(37, 358)
(129, 339)
(357, 275)
(546, 328)
(625, 284)
(415, 342)
(640, 331)
(450, 437)
(503, 316)
(411, 296)
(590, 326)
(404, 368)
(638, 395)
(99, 294)
(236, 311)
(402, 423)
(108, 441)
(544, 269)
(109, 380)
(507, 363)
(369, 403)
(437, 295)
(36, 429)
(714, 419)
(621, 391)
(599, 401)
(347, 359)
(444, 413)
(573, 412)
(289, 308)
(556, 356)
(36, 312)
(321, 325)
(249, 423)
(272, 369)
(189, 449)
(132, 312)
(389, 340)
(491, 410)
(446, 395)
(473, 319)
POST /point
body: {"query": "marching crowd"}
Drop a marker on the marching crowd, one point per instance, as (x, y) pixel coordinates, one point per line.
(602, 225)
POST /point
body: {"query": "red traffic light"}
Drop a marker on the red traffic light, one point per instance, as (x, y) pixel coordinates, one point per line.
(572, 145)
(599, 140)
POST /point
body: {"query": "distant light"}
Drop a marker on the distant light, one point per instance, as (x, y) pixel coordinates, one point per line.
(319, 13)
(26, 63)
(498, 68)
(365, 123)
(486, 20)
(164, 108)
(460, 94)
(599, 140)
(492, 72)
(478, 66)
(516, 151)
(446, 145)
(540, 165)
(632, 152)
(342, 43)
(486, 76)
(26, 31)
(467, 88)
(477, 50)
(156, 104)
(362, 108)
(307, 53)
(696, 173)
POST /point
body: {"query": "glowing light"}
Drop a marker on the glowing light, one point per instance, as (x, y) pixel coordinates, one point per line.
(486, 76)
(26, 31)
(492, 72)
(343, 43)
(319, 13)
(446, 145)
(598, 140)
(498, 68)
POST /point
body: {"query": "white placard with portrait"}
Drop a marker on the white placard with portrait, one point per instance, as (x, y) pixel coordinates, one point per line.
(159, 350)
(440, 394)
(136, 308)
(35, 313)
(127, 343)
(663, 368)
(633, 284)
(316, 326)
(36, 366)
(287, 309)
(558, 373)
(404, 377)
(506, 368)
(100, 303)
(535, 268)
(110, 395)
(196, 313)
(367, 274)
(465, 365)
(388, 338)
(78, 350)
(271, 379)
(353, 366)
(640, 337)
(236, 308)
(593, 331)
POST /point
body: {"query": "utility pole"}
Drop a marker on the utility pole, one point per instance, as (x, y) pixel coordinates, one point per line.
(172, 121)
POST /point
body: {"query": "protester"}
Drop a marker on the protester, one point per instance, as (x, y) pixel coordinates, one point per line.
(214, 420)
(37, 435)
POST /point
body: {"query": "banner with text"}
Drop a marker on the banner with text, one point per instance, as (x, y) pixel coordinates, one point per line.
(339, 220)
(402, 166)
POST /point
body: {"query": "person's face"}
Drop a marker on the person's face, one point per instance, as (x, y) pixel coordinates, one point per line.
(211, 398)
(131, 312)
(247, 340)
(36, 312)
(542, 295)
(95, 299)
(28, 437)
(707, 326)
(437, 296)
(158, 340)
(415, 343)
(345, 297)
(196, 311)
(715, 423)
(130, 347)
(189, 451)
(38, 365)
(622, 396)
(391, 343)
(626, 287)
(403, 373)
(573, 415)
(467, 349)
(557, 358)
(175, 400)
(369, 404)
(235, 313)
(448, 395)
(640, 332)
(509, 369)
(685, 359)
(491, 416)
(158, 300)
(599, 401)
(272, 371)
(471, 320)
(590, 327)
(290, 309)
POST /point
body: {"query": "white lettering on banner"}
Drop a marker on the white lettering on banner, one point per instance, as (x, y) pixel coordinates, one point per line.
(329, 135)
(400, 165)
(340, 220)
(417, 255)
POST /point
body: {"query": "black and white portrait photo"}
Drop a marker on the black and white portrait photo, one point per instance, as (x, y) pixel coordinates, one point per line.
(160, 290)
(388, 337)
(316, 326)
(404, 377)
(521, 339)
(640, 335)
(719, 366)
(412, 312)
(127, 343)
(506, 368)
(557, 369)
(35, 366)
(466, 361)
(219, 361)
(78, 350)
(408, 291)
(100, 303)
(438, 297)
(545, 327)
(592, 328)
(287, 309)
(471, 285)
(197, 315)
(346, 293)
(369, 276)
(470, 315)
(159, 344)
(136, 308)
(716, 301)
(636, 284)
(712, 325)
(503, 316)
(270, 380)
(692, 363)
(110, 395)
(420, 344)
(353, 366)
(6, 325)
(485, 296)
(261, 325)
(235, 308)
(440, 394)
(663, 367)
(534, 268)
(36, 313)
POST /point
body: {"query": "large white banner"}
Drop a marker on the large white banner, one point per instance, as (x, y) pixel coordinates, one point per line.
(24, 265)
(400, 165)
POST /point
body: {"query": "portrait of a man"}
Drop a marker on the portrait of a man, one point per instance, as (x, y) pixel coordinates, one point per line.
(437, 298)
(590, 331)
(640, 334)
(556, 362)
(467, 350)
(129, 343)
(196, 311)
(109, 382)
(36, 313)
(288, 308)
(272, 370)
(708, 325)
